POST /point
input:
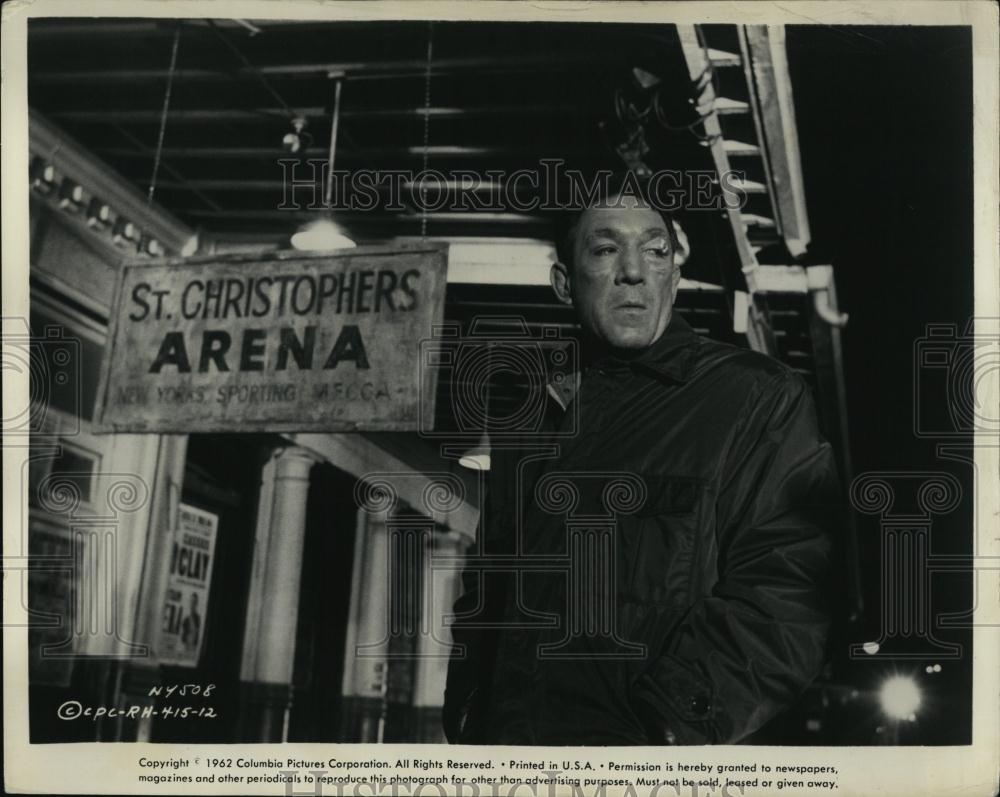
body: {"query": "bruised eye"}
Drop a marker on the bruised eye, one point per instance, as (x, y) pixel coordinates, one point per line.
(658, 249)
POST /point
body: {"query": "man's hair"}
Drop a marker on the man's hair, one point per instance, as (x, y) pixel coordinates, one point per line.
(609, 194)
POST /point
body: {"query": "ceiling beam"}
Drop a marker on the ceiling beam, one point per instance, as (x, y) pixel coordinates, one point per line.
(235, 184)
(313, 112)
(179, 179)
(352, 70)
(53, 28)
(448, 151)
(359, 456)
(361, 217)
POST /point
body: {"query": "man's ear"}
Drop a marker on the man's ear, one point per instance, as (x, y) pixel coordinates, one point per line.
(560, 279)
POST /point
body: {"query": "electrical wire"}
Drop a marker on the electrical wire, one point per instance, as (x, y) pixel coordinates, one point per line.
(253, 69)
(624, 109)
(291, 113)
(427, 128)
(700, 84)
(662, 119)
(135, 142)
(334, 124)
(158, 156)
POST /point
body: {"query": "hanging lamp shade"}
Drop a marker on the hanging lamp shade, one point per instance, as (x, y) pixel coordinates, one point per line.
(477, 457)
(319, 234)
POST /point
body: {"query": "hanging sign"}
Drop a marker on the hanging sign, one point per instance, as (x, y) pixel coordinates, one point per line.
(282, 342)
(186, 606)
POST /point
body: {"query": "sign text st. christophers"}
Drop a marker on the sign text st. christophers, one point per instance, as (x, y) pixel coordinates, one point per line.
(287, 341)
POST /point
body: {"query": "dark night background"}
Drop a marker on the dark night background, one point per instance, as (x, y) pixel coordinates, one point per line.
(885, 128)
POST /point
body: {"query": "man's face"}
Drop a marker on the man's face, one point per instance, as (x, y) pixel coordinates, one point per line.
(623, 279)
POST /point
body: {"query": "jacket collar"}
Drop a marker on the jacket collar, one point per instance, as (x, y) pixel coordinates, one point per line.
(671, 357)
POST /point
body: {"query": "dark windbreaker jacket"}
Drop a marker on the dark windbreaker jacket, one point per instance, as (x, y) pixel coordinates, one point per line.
(653, 561)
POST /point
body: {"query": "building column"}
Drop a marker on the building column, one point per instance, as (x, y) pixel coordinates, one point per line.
(443, 575)
(272, 609)
(389, 603)
(367, 648)
(144, 674)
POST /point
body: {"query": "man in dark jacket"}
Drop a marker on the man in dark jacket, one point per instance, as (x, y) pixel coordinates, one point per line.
(653, 562)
